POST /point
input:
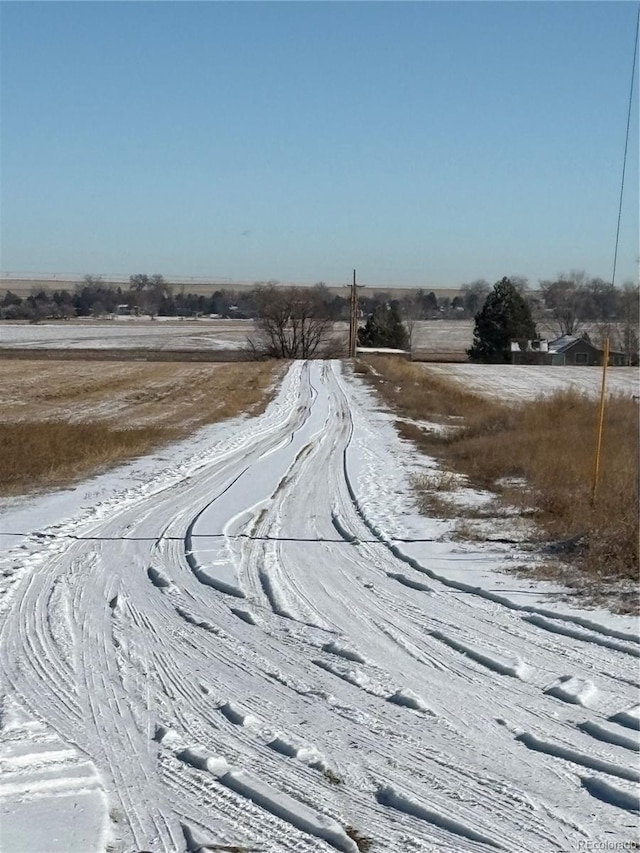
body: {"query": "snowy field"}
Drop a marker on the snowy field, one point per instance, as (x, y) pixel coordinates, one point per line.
(128, 332)
(526, 382)
(169, 333)
(443, 337)
(252, 639)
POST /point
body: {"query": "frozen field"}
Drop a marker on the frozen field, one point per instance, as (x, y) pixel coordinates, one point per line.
(515, 382)
(128, 333)
(443, 337)
(125, 332)
(252, 641)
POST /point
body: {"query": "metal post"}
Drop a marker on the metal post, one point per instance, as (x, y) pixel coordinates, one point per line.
(596, 466)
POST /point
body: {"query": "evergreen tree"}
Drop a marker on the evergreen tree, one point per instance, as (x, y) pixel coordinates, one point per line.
(384, 328)
(504, 317)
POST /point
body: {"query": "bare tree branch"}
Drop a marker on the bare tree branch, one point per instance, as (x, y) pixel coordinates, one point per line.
(292, 322)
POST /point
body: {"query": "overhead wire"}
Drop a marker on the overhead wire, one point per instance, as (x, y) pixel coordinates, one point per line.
(626, 146)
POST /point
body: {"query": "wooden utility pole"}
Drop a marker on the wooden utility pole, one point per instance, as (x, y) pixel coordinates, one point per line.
(596, 465)
(353, 318)
(350, 350)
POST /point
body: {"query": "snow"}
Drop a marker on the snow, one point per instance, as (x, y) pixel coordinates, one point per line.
(42, 778)
(611, 734)
(629, 717)
(611, 794)
(254, 639)
(527, 382)
(171, 334)
(388, 796)
(383, 350)
(571, 689)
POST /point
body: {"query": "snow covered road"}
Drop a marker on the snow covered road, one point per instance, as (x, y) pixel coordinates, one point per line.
(249, 644)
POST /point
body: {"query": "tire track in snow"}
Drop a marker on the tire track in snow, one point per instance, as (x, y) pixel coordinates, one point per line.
(390, 798)
(175, 635)
(40, 775)
(126, 758)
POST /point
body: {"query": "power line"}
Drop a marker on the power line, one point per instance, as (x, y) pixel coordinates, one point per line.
(626, 145)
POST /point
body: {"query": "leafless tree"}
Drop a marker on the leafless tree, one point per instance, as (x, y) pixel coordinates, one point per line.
(411, 311)
(474, 294)
(150, 291)
(630, 319)
(565, 297)
(520, 282)
(291, 322)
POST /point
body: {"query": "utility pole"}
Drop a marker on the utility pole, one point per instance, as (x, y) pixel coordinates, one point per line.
(596, 465)
(353, 321)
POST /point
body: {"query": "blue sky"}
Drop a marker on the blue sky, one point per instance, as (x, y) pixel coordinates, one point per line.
(424, 143)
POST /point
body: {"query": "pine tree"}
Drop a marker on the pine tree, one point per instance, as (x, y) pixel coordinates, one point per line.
(384, 328)
(504, 317)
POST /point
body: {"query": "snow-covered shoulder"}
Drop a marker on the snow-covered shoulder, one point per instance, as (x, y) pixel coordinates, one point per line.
(380, 466)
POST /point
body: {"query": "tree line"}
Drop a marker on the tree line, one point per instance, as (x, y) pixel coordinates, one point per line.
(147, 295)
(298, 320)
(153, 295)
(570, 300)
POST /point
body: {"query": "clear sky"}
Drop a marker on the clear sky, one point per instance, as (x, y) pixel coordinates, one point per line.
(424, 143)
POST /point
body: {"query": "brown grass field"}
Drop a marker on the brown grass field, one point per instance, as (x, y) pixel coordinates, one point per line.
(538, 456)
(65, 420)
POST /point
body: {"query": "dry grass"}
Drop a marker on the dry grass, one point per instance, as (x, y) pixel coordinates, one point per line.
(38, 453)
(63, 421)
(440, 481)
(549, 445)
(409, 389)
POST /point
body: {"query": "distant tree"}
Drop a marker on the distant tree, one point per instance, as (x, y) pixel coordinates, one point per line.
(384, 328)
(38, 305)
(150, 291)
(336, 306)
(12, 307)
(566, 298)
(520, 282)
(339, 308)
(601, 301)
(167, 306)
(473, 296)
(505, 316)
(63, 304)
(15, 312)
(10, 298)
(369, 301)
(629, 317)
(91, 290)
(411, 309)
(429, 304)
(291, 322)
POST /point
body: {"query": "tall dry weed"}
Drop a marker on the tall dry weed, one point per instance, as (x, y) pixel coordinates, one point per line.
(35, 454)
(549, 444)
(71, 432)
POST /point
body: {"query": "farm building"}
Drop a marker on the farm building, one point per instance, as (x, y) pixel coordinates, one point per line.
(567, 349)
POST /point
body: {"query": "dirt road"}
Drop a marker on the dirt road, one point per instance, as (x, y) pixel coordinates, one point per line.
(240, 646)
